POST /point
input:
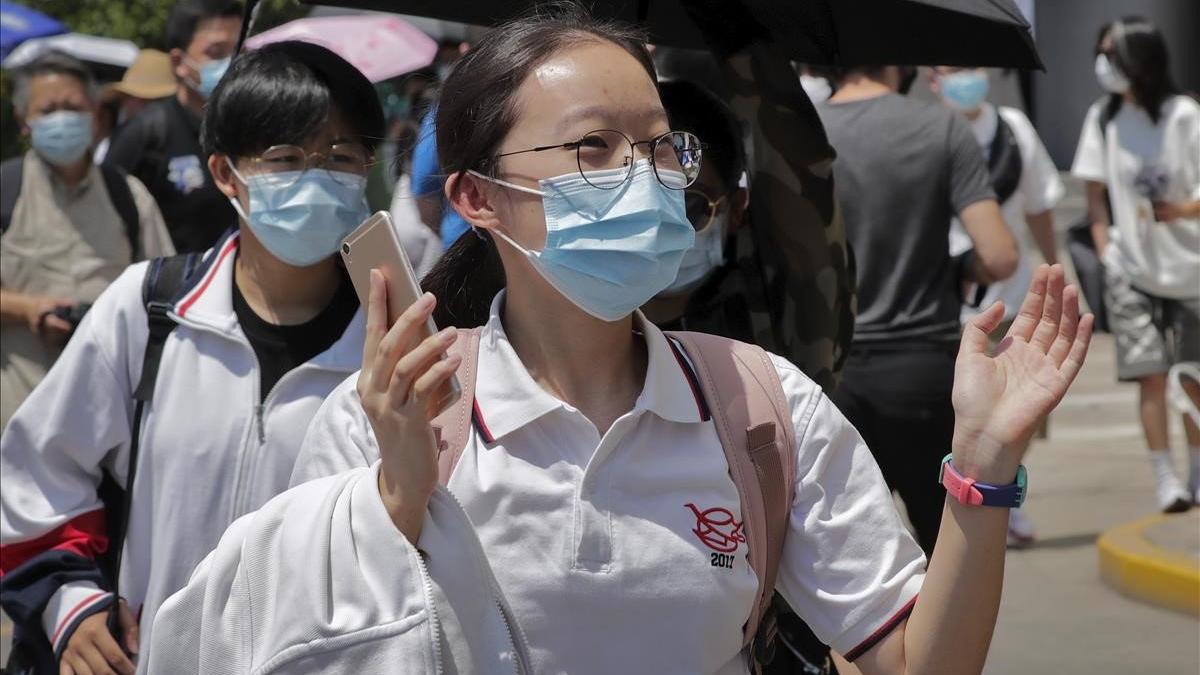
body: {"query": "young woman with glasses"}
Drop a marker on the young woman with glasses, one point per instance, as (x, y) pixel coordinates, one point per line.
(591, 524)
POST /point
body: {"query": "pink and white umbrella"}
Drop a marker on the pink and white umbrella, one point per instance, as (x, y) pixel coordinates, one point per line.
(380, 46)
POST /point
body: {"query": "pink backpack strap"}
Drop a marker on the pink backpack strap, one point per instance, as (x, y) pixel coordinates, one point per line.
(754, 422)
(453, 426)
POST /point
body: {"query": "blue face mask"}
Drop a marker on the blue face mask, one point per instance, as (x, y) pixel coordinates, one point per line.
(965, 90)
(62, 137)
(302, 217)
(609, 251)
(210, 74)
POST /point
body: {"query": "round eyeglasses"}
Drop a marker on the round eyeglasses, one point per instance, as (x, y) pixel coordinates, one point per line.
(340, 161)
(606, 157)
(701, 209)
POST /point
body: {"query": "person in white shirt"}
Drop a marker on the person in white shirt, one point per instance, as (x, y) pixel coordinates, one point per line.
(266, 326)
(1140, 146)
(594, 480)
(1027, 186)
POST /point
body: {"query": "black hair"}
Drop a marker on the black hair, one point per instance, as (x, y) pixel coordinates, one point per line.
(51, 63)
(187, 14)
(692, 107)
(1140, 53)
(282, 93)
(475, 112)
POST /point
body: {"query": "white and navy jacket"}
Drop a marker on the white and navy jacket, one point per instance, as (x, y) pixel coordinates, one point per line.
(212, 449)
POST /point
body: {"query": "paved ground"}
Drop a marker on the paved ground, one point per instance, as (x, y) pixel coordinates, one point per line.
(1090, 474)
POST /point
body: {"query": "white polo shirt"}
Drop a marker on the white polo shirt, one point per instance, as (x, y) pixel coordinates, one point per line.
(624, 553)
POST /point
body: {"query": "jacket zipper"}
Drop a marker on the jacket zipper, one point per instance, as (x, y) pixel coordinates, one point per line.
(516, 638)
(435, 623)
(249, 449)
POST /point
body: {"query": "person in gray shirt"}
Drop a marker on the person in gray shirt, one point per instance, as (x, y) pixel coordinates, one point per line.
(904, 169)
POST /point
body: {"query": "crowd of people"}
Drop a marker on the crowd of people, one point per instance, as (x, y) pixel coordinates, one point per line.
(215, 460)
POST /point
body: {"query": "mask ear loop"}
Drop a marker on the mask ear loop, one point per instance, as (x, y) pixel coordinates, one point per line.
(237, 205)
(502, 183)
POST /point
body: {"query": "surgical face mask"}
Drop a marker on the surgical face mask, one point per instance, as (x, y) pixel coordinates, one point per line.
(701, 259)
(62, 137)
(609, 251)
(210, 74)
(1110, 76)
(965, 90)
(301, 217)
(817, 88)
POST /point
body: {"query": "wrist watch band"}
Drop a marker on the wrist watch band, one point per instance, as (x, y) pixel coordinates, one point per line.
(973, 493)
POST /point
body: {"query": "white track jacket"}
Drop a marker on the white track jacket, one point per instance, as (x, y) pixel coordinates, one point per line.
(210, 450)
(320, 581)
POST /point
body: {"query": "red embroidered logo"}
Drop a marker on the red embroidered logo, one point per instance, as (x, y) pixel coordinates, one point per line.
(717, 530)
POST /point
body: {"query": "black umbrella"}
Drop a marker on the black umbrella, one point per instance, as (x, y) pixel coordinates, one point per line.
(835, 32)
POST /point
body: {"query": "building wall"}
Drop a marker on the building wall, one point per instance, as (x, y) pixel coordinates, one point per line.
(1066, 33)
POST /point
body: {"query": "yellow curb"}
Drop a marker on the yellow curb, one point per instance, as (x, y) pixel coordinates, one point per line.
(1133, 565)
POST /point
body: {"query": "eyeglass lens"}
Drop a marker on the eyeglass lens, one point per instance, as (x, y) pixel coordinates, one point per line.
(606, 158)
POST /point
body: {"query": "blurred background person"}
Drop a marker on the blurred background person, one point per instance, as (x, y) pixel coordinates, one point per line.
(161, 145)
(147, 79)
(904, 169)
(69, 227)
(1139, 151)
(1027, 186)
(427, 178)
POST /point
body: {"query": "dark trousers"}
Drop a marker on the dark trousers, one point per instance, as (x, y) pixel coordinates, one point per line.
(898, 397)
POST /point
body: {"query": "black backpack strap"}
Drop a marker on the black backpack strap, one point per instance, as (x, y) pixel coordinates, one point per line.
(165, 278)
(117, 185)
(1004, 160)
(11, 171)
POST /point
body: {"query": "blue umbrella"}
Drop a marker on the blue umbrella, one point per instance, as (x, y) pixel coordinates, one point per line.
(19, 23)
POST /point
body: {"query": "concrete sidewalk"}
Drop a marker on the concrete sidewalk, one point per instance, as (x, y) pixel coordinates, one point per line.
(1091, 474)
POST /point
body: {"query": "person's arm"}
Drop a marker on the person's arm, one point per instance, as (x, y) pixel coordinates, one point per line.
(1097, 209)
(156, 240)
(999, 402)
(996, 253)
(73, 427)
(1165, 212)
(28, 309)
(337, 439)
(1041, 226)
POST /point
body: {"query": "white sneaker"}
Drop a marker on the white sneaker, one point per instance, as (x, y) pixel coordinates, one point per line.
(1172, 498)
(1020, 529)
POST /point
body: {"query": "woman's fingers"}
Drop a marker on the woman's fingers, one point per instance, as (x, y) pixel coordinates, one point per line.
(1068, 326)
(117, 660)
(1052, 309)
(1031, 309)
(979, 327)
(376, 319)
(399, 339)
(428, 384)
(1079, 348)
(415, 363)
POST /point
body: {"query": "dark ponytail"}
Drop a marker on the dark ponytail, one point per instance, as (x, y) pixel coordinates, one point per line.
(475, 111)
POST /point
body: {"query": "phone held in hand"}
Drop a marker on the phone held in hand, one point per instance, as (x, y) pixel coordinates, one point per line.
(374, 245)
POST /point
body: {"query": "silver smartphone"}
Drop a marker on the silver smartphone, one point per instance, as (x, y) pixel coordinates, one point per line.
(374, 245)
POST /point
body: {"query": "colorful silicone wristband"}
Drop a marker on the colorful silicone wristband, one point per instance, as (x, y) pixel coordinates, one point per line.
(973, 493)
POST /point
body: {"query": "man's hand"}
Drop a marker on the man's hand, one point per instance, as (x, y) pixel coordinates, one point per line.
(1165, 212)
(91, 649)
(52, 330)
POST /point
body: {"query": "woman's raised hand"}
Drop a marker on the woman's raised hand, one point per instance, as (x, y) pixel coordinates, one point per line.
(400, 376)
(1000, 398)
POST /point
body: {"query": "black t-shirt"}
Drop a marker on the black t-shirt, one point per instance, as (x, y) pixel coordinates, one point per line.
(904, 169)
(281, 348)
(161, 148)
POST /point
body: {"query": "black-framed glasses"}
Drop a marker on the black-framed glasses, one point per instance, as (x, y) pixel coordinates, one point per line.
(701, 209)
(341, 158)
(606, 157)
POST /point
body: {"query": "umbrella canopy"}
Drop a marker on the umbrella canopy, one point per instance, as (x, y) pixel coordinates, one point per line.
(834, 32)
(87, 48)
(380, 46)
(19, 23)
